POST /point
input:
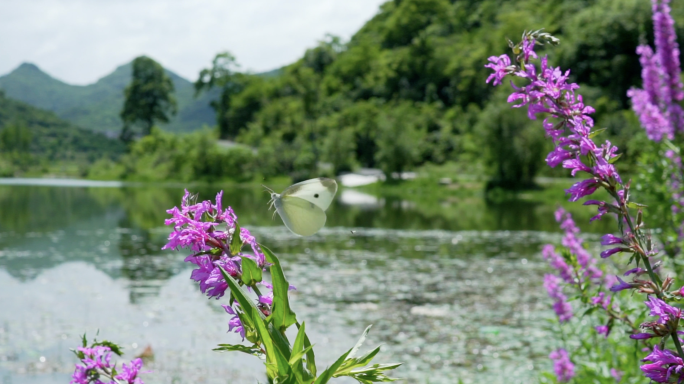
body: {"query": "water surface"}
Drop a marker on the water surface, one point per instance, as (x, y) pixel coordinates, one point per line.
(452, 289)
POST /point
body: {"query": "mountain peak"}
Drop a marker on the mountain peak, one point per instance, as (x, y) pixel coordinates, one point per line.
(25, 66)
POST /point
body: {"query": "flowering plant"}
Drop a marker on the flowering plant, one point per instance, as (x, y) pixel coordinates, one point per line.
(223, 266)
(568, 123)
(97, 367)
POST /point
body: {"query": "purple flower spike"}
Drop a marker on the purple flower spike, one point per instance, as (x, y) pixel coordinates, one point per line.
(562, 366)
(665, 366)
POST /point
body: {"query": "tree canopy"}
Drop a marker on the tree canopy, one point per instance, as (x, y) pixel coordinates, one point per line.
(149, 98)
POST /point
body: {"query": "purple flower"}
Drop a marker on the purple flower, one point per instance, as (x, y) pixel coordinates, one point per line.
(553, 288)
(641, 336)
(528, 49)
(612, 251)
(97, 357)
(637, 271)
(562, 366)
(558, 263)
(501, 67)
(602, 300)
(130, 373)
(622, 285)
(563, 310)
(602, 330)
(80, 375)
(617, 375)
(234, 324)
(664, 311)
(665, 365)
(582, 188)
(611, 239)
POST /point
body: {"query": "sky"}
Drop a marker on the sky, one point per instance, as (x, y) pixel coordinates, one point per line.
(80, 41)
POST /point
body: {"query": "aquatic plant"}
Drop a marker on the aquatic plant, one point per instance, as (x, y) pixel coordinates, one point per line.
(546, 92)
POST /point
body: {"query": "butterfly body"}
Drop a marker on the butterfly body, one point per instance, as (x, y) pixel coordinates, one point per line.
(302, 206)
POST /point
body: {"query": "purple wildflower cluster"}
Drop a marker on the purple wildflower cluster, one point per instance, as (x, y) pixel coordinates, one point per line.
(97, 368)
(562, 366)
(208, 230)
(568, 123)
(579, 268)
(657, 104)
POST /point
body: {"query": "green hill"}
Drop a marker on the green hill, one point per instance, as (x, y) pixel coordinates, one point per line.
(96, 106)
(52, 138)
(409, 88)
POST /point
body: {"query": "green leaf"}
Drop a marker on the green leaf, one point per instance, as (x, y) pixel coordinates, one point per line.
(84, 341)
(281, 342)
(359, 343)
(253, 350)
(274, 358)
(282, 315)
(298, 351)
(614, 159)
(246, 304)
(251, 273)
(596, 132)
(589, 311)
(328, 373)
(114, 347)
(632, 204)
(236, 241)
(297, 357)
(310, 356)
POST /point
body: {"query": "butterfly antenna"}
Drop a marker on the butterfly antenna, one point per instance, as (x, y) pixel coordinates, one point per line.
(269, 190)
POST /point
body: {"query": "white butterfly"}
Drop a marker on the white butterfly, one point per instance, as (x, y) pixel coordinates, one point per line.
(302, 206)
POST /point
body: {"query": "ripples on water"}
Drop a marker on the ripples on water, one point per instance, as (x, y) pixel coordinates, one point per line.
(455, 294)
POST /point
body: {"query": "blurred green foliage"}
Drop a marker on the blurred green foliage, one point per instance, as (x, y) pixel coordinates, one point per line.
(409, 89)
(163, 156)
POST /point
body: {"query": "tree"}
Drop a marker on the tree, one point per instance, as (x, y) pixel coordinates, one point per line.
(222, 74)
(149, 98)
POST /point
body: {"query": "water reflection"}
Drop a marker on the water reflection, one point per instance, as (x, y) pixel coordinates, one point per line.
(443, 282)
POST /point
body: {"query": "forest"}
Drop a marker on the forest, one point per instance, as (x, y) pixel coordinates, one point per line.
(406, 91)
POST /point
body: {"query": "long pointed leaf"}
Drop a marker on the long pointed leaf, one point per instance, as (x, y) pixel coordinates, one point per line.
(360, 342)
(246, 304)
(310, 356)
(273, 355)
(328, 373)
(282, 315)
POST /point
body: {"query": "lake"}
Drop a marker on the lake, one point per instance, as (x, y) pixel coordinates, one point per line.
(453, 289)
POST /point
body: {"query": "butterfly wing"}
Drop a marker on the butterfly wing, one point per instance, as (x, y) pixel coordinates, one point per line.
(302, 217)
(319, 191)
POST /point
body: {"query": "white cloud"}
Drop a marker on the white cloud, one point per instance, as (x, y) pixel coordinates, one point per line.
(79, 41)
